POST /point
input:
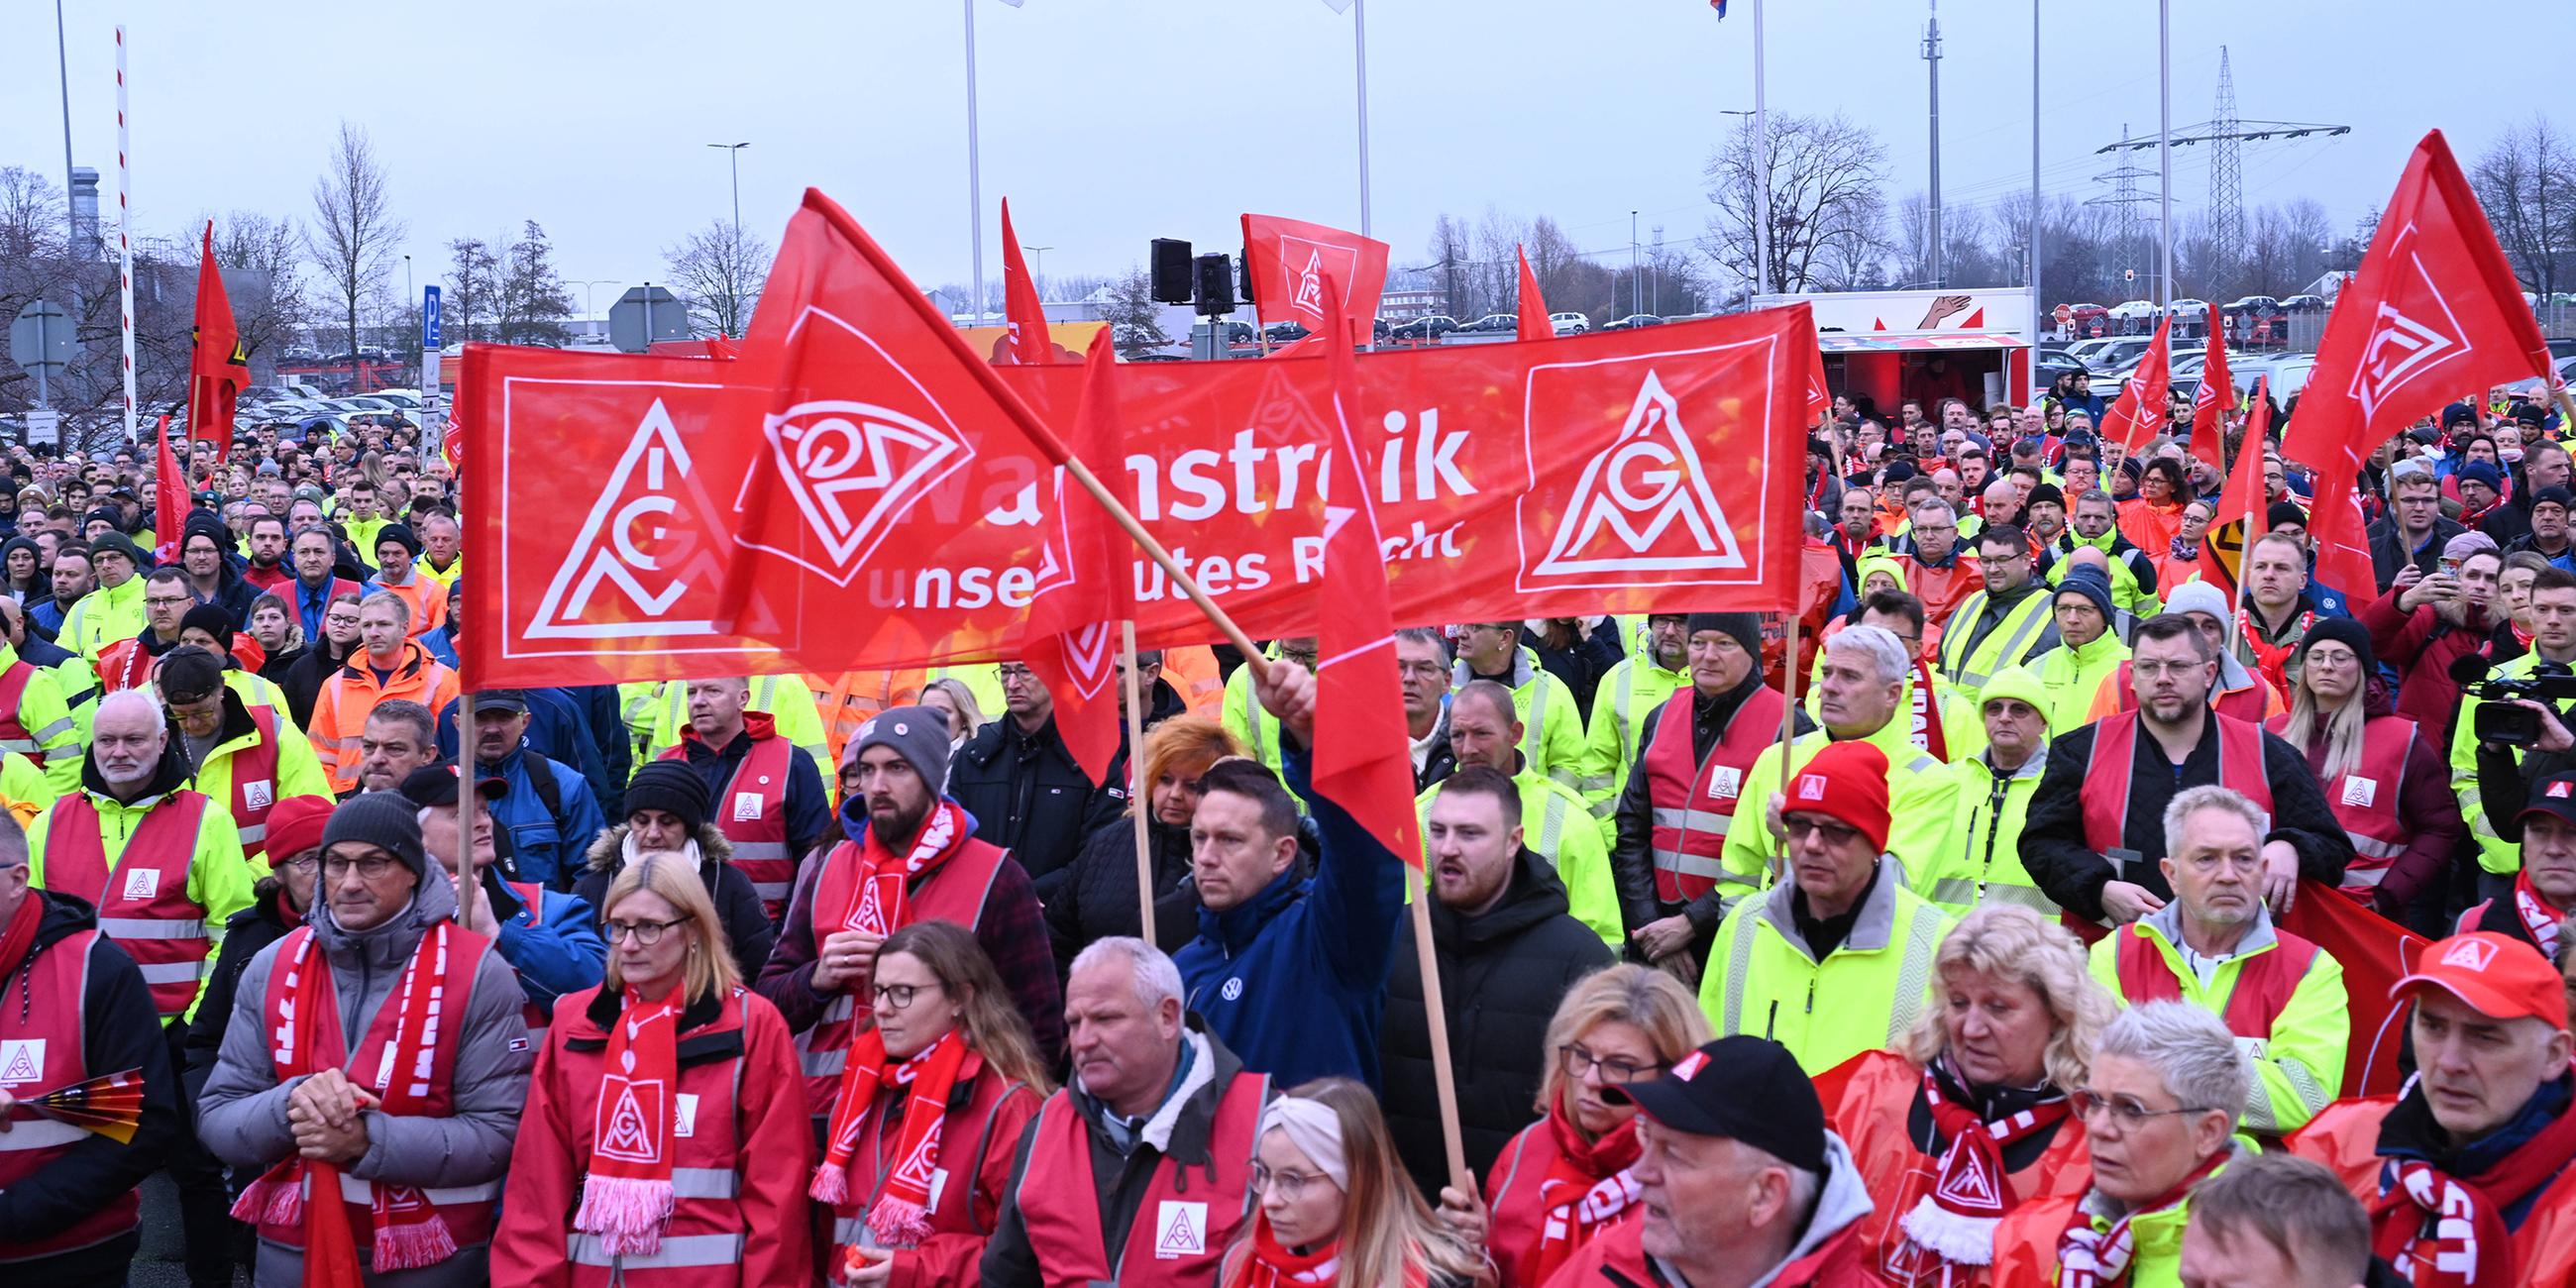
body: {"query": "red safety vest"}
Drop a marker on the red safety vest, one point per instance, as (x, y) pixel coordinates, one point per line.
(752, 814)
(469, 1211)
(954, 893)
(1180, 1231)
(14, 734)
(1693, 804)
(2264, 981)
(143, 905)
(255, 783)
(42, 1049)
(2105, 794)
(986, 1116)
(2365, 800)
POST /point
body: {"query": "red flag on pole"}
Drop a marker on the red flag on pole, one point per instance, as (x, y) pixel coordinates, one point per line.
(2215, 398)
(2434, 313)
(170, 498)
(2241, 505)
(1289, 262)
(2143, 407)
(1020, 305)
(1073, 624)
(1361, 759)
(1820, 397)
(1533, 306)
(217, 366)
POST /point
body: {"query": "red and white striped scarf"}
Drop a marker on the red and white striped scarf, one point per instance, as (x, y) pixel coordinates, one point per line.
(2090, 1258)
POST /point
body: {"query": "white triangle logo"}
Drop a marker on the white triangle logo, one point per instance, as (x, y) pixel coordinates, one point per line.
(1639, 496)
(2402, 347)
(619, 548)
(1310, 284)
(22, 1060)
(630, 1134)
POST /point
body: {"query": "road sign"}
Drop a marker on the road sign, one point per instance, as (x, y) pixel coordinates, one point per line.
(2065, 313)
(45, 427)
(2128, 275)
(41, 339)
(645, 314)
(429, 317)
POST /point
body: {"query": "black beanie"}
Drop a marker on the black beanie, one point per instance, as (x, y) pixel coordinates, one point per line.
(1746, 628)
(672, 787)
(397, 532)
(385, 820)
(213, 621)
(189, 673)
(2281, 512)
(2345, 631)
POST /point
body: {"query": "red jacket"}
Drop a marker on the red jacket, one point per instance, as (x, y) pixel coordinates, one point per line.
(738, 1064)
(1618, 1260)
(2421, 645)
(977, 1142)
(2345, 1137)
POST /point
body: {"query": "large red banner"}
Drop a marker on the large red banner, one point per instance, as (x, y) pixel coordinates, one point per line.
(1627, 472)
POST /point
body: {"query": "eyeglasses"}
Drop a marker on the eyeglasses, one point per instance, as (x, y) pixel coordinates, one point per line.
(168, 601)
(1801, 826)
(2151, 670)
(306, 865)
(1921, 531)
(1289, 1184)
(2124, 1110)
(370, 868)
(1015, 674)
(1579, 1060)
(1999, 561)
(646, 933)
(1422, 670)
(898, 996)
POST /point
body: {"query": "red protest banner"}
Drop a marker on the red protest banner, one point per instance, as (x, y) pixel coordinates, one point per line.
(1654, 469)
(2375, 953)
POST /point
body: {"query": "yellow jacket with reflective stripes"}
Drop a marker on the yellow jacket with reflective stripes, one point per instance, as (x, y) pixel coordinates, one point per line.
(299, 771)
(219, 878)
(1963, 731)
(1979, 858)
(785, 698)
(25, 791)
(2025, 628)
(1551, 723)
(2495, 854)
(54, 739)
(1865, 994)
(1557, 826)
(1919, 790)
(1250, 723)
(102, 617)
(1627, 694)
(2072, 677)
(2296, 1070)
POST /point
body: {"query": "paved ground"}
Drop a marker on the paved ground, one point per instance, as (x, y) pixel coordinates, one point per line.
(159, 1264)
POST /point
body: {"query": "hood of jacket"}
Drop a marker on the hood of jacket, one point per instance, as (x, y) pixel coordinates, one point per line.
(1532, 895)
(1841, 1202)
(168, 776)
(44, 587)
(384, 947)
(607, 851)
(1524, 668)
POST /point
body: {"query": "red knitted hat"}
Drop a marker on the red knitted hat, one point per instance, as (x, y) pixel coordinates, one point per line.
(1845, 781)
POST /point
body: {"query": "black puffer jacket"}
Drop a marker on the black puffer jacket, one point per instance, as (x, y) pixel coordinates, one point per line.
(747, 927)
(1502, 975)
(1029, 797)
(251, 929)
(1097, 897)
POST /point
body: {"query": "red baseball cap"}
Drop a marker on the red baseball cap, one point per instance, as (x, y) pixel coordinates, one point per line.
(2497, 976)
(1847, 782)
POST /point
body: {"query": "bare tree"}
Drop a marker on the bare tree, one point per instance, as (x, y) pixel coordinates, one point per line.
(354, 230)
(533, 304)
(2527, 182)
(473, 288)
(1826, 176)
(1449, 266)
(719, 270)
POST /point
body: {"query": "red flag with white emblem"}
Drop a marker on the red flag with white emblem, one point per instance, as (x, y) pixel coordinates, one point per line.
(1073, 625)
(1363, 760)
(2143, 407)
(2434, 314)
(1291, 261)
(2215, 398)
(1021, 308)
(218, 367)
(1533, 306)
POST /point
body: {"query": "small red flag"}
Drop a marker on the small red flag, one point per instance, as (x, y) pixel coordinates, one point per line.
(1021, 308)
(1072, 640)
(1289, 262)
(217, 365)
(1362, 758)
(2242, 503)
(2216, 397)
(1820, 397)
(2143, 408)
(1533, 306)
(2434, 313)
(170, 499)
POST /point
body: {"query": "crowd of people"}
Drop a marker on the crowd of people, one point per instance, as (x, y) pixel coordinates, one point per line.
(1950, 945)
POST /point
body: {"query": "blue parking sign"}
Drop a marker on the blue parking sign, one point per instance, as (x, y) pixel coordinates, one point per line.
(429, 317)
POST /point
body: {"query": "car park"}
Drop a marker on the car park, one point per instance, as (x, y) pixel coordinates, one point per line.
(1424, 328)
(1569, 323)
(1493, 322)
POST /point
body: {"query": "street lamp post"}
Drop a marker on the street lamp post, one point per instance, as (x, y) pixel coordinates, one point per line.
(590, 299)
(1037, 273)
(1635, 304)
(733, 155)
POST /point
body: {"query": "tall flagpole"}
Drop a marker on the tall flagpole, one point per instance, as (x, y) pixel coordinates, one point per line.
(1761, 164)
(2033, 379)
(1359, 56)
(2164, 149)
(974, 166)
(124, 234)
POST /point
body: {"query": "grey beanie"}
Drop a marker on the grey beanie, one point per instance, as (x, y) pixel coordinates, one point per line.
(1745, 627)
(918, 734)
(386, 820)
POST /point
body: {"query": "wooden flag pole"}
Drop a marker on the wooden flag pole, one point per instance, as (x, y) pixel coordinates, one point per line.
(1788, 715)
(467, 888)
(1154, 550)
(1137, 800)
(1435, 1012)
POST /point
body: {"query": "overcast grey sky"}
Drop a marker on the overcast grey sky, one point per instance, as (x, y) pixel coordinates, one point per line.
(1108, 122)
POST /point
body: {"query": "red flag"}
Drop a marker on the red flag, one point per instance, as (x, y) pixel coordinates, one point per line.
(2143, 408)
(1820, 398)
(1362, 762)
(2216, 397)
(1534, 324)
(1289, 263)
(2240, 506)
(1020, 306)
(217, 366)
(1072, 640)
(170, 499)
(2433, 313)
(2375, 954)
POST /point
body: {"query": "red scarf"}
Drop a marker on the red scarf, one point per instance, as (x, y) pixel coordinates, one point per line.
(1586, 1190)
(408, 1232)
(1928, 735)
(20, 935)
(1270, 1265)
(2442, 1231)
(2090, 1258)
(2539, 916)
(882, 902)
(1954, 1224)
(2271, 661)
(901, 1217)
(626, 1199)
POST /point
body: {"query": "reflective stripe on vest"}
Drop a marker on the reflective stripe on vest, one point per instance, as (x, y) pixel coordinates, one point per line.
(2105, 794)
(1691, 804)
(954, 892)
(758, 789)
(684, 1250)
(14, 735)
(146, 890)
(2023, 621)
(255, 766)
(46, 1046)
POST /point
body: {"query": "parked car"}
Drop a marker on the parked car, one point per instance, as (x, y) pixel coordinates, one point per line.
(1632, 322)
(1493, 322)
(1284, 332)
(1425, 328)
(2117, 353)
(2052, 364)
(1569, 323)
(2305, 304)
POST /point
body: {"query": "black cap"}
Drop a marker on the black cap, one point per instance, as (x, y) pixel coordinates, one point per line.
(513, 701)
(2554, 796)
(2458, 413)
(435, 785)
(1743, 1088)
(2557, 496)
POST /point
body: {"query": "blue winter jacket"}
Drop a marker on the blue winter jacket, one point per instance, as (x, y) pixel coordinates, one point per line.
(1293, 979)
(555, 949)
(548, 848)
(557, 730)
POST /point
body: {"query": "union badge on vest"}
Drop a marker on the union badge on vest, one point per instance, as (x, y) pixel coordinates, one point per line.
(1180, 1230)
(746, 807)
(1725, 783)
(2359, 792)
(258, 794)
(142, 884)
(22, 1060)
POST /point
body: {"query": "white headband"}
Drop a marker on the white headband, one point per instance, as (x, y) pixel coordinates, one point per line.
(1316, 1130)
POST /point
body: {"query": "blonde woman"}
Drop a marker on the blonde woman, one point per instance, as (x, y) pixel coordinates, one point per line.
(1563, 1180)
(2386, 780)
(1335, 1208)
(1977, 1100)
(666, 1122)
(950, 697)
